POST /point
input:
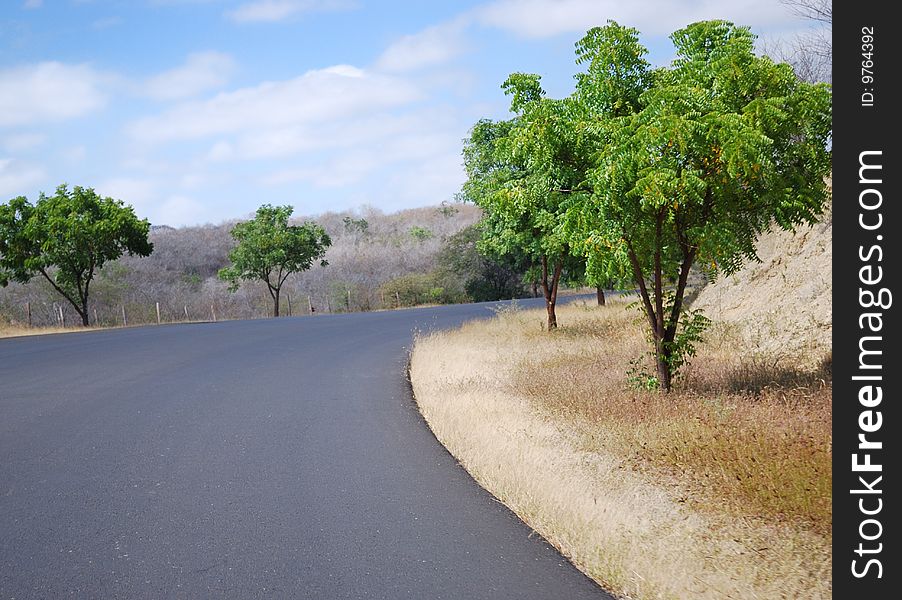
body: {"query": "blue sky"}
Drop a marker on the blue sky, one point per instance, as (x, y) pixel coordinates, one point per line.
(199, 111)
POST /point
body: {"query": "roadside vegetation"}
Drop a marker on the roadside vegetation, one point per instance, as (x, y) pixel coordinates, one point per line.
(721, 488)
(642, 174)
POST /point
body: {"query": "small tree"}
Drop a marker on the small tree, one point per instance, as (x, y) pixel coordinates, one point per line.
(722, 145)
(66, 238)
(269, 250)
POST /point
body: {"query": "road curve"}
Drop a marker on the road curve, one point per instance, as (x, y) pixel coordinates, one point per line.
(270, 458)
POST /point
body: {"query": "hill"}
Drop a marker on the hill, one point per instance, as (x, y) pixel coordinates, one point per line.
(369, 250)
(781, 306)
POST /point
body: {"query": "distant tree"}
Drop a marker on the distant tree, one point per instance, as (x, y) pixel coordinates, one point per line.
(66, 238)
(416, 288)
(447, 210)
(420, 234)
(269, 250)
(480, 276)
(353, 225)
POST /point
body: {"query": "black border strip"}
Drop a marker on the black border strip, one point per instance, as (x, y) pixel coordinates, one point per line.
(866, 275)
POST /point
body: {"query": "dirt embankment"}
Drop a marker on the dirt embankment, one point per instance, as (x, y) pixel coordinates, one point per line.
(782, 305)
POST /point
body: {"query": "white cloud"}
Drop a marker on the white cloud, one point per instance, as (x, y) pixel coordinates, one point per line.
(201, 72)
(545, 18)
(106, 23)
(139, 193)
(178, 210)
(17, 177)
(431, 46)
(22, 142)
(161, 208)
(317, 96)
(427, 182)
(48, 91)
(356, 131)
(221, 151)
(32, 4)
(74, 154)
(270, 11)
(408, 145)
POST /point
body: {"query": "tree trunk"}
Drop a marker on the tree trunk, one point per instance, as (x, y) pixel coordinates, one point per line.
(83, 312)
(599, 293)
(655, 324)
(552, 316)
(550, 290)
(275, 302)
(662, 363)
(535, 289)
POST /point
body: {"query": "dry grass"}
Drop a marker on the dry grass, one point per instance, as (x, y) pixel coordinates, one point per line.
(7, 330)
(720, 489)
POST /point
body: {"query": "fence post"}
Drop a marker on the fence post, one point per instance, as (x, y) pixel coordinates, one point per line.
(96, 320)
(309, 304)
(59, 307)
(398, 298)
(289, 304)
(28, 313)
(158, 313)
(213, 311)
(187, 318)
(349, 299)
(124, 318)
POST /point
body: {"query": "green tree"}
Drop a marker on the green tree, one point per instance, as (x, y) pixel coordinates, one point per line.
(420, 234)
(66, 238)
(523, 173)
(477, 276)
(353, 225)
(269, 250)
(414, 289)
(720, 146)
(616, 76)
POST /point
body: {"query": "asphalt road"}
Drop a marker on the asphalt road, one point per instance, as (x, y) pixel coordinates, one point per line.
(270, 458)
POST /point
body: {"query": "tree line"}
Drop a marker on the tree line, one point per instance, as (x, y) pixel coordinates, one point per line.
(372, 261)
(642, 173)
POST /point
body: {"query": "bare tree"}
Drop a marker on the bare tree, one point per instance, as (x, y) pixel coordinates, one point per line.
(810, 53)
(815, 10)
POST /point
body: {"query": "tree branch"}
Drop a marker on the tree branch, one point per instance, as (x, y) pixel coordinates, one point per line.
(640, 281)
(60, 290)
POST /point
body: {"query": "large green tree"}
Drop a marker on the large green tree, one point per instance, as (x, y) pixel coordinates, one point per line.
(66, 238)
(721, 146)
(270, 249)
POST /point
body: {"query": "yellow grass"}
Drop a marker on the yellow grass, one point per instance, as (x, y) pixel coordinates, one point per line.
(19, 330)
(719, 490)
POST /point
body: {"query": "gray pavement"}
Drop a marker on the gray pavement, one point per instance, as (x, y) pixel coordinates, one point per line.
(271, 458)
